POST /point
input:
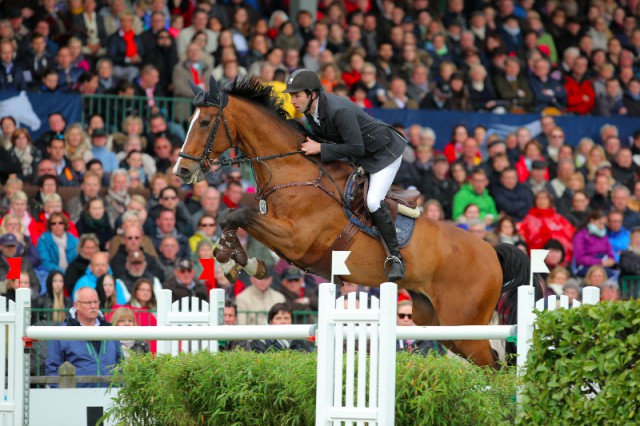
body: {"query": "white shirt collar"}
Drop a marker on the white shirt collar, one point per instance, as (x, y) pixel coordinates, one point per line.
(315, 115)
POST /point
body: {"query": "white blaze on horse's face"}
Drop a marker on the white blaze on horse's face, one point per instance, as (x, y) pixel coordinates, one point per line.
(176, 168)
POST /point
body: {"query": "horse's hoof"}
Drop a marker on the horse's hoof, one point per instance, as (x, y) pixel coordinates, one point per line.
(256, 268)
(261, 272)
(232, 275)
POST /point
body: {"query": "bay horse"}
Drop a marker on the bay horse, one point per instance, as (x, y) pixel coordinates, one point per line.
(454, 277)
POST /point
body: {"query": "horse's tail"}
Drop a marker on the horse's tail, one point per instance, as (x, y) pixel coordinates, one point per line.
(516, 268)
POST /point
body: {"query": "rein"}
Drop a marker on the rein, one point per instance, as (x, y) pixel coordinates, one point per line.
(206, 164)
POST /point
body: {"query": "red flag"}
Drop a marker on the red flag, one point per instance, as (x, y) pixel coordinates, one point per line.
(207, 271)
(15, 265)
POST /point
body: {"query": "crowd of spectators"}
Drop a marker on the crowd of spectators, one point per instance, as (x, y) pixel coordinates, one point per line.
(96, 205)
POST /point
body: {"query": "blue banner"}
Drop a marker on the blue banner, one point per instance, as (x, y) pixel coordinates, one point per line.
(443, 122)
(31, 110)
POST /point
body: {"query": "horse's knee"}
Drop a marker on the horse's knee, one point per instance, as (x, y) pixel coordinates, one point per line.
(234, 218)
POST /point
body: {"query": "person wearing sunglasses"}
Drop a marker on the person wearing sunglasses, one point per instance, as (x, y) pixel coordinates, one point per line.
(57, 247)
(421, 347)
(183, 283)
(207, 230)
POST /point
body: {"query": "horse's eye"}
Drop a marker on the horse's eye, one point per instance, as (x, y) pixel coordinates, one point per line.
(205, 123)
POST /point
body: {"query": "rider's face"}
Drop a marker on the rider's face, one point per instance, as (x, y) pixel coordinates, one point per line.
(300, 101)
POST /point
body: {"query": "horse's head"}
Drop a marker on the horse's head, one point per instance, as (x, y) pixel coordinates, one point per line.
(208, 136)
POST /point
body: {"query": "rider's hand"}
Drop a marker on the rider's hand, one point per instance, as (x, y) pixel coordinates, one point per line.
(310, 147)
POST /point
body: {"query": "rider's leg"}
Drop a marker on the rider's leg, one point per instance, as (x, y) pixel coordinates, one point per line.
(379, 185)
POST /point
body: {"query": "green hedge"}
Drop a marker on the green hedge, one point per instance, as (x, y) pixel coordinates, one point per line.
(583, 367)
(245, 388)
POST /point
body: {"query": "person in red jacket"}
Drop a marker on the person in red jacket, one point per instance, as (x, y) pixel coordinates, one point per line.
(581, 96)
(453, 149)
(543, 223)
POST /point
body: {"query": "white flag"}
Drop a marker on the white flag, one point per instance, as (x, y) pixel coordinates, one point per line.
(537, 261)
(338, 263)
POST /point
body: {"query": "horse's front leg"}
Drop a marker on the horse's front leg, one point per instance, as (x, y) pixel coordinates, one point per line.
(273, 233)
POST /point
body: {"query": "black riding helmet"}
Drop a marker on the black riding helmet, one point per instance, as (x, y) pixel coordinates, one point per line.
(302, 80)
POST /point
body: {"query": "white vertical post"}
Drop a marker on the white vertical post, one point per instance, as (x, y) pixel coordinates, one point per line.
(590, 295)
(164, 309)
(325, 340)
(387, 363)
(20, 376)
(526, 303)
(216, 313)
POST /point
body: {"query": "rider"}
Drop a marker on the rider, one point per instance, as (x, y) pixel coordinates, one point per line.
(376, 146)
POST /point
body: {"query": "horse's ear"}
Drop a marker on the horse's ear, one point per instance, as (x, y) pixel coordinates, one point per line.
(214, 90)
(196, 89)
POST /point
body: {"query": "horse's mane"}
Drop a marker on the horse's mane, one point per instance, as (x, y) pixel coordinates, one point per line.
(253, 90)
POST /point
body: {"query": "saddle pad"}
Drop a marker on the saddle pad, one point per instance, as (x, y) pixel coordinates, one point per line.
(404, 228)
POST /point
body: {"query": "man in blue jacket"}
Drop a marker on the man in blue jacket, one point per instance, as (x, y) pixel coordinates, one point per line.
(91, 358)
(511, 197)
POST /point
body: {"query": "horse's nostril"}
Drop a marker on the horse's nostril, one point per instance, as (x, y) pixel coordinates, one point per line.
(184, 171)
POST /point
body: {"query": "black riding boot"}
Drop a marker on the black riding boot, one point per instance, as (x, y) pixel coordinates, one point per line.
(387, 229)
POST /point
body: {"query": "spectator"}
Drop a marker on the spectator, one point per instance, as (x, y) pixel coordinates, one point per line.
(620, 201)
(280, 314)
(12, 74)
(420, 347)
(89, 188)
(125, 317)
(511, 197)
(624, 169)
(183, 282)
(24, 155)
(481, 93)
(257, 299)
(231, 318)
(207, 230)
(18, 206)
(631, 99)
(57, 247)
(98, 267)
(107, 289)
(610, 102)
(505, 232)
(210, 204)
(538, 177)
(617, 233)
(47, 185)
(532, 153)
(64, 172)
(55, 298)
(94, 219)
(100, 151)
(169, 199)
(199, 24)
(133, 240)
(547, 91)
(89, 26)
(165, 226)
(68, 73)
(298, 294)
(168, 254)
(88, 357)
(125, 49)
(591, 245)
(596, 276)
(77, 142)
(610, 291)
(136, 267)
(11, 224)
(37, 60)
(580, 92)
(513, 87)
(475, 192)
(106, 80)
(630, 258)
(87, 247)
(118, 196)
(543, 223)
(397, 96)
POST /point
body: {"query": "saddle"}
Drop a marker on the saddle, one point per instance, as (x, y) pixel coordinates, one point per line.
(356, 193)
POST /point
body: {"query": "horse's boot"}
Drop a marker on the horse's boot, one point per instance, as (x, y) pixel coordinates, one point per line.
(387, 229)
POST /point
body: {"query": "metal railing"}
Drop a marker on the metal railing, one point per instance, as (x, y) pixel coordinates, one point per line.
(115, 108)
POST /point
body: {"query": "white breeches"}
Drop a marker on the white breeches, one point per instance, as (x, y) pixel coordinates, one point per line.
(379, 184)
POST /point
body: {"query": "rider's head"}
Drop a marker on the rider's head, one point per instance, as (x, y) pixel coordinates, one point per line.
(304, 86)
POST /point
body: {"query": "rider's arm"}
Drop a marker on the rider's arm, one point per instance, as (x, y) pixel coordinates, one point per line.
(351, 145)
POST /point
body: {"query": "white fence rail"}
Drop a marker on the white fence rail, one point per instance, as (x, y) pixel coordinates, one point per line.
(181, 329)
